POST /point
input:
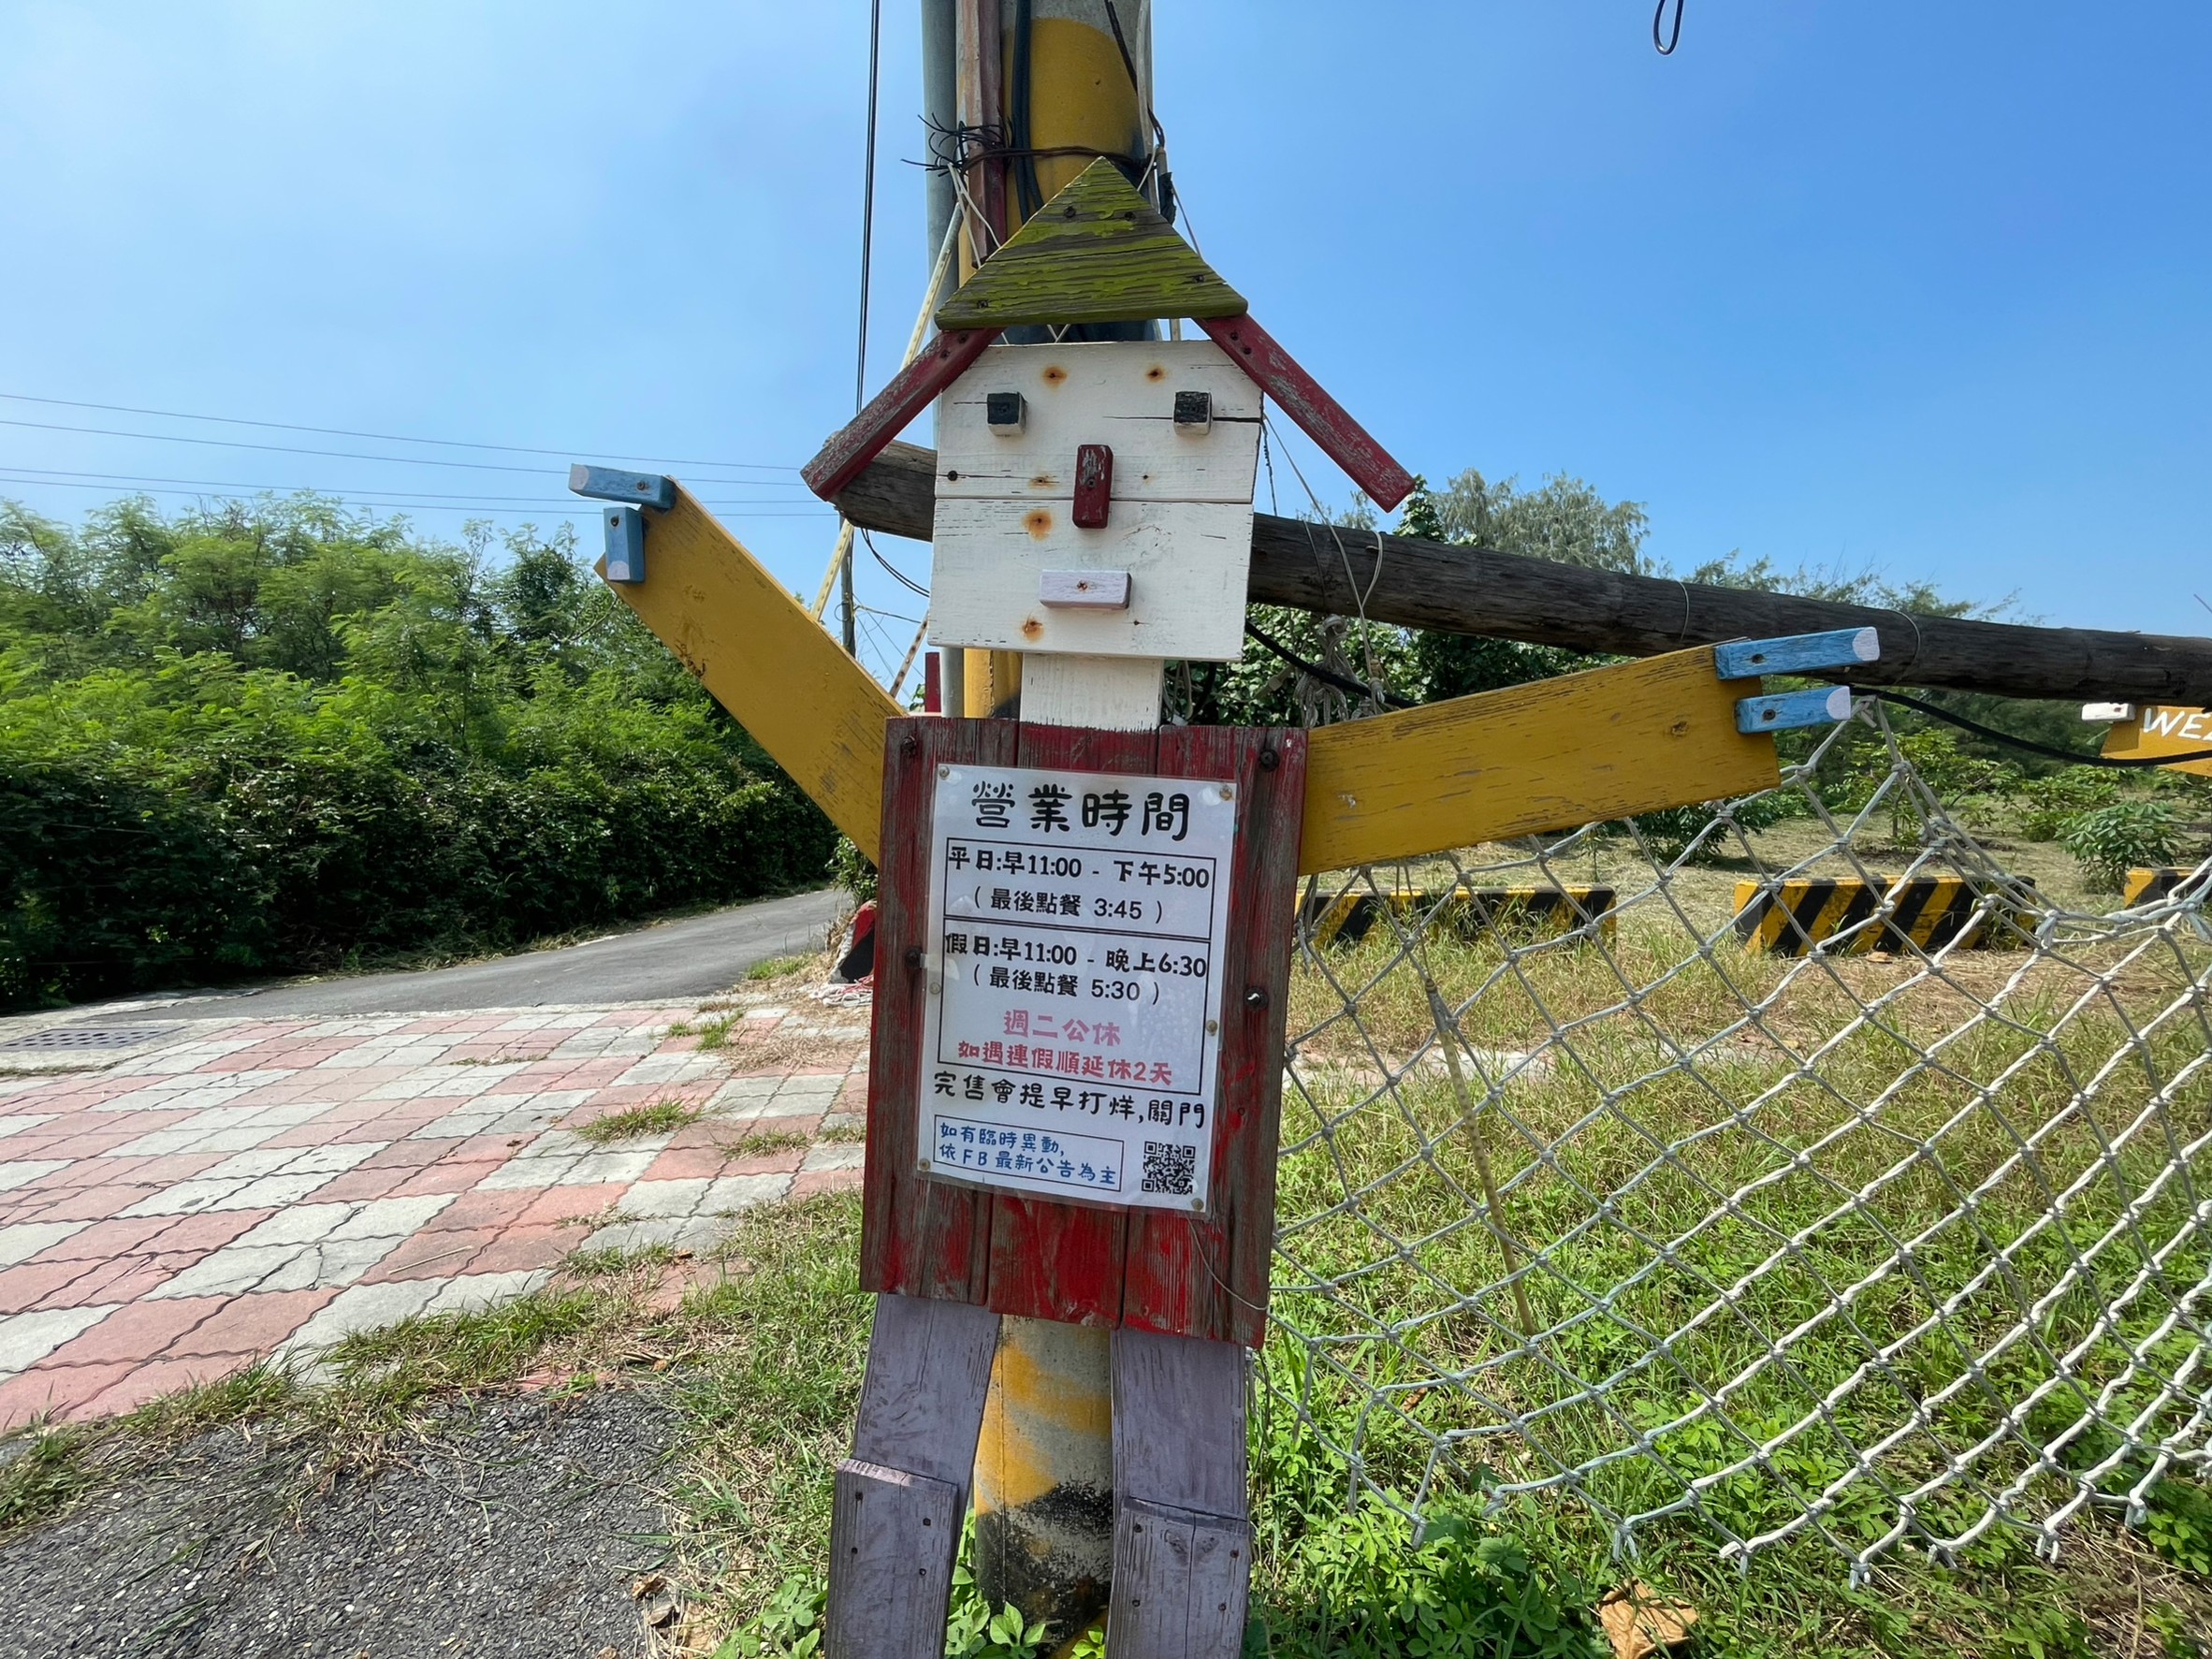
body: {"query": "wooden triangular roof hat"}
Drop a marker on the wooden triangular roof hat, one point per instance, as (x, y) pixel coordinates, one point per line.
(1099, 252)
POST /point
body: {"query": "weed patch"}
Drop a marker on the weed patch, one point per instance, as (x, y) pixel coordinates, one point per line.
(661, 1117)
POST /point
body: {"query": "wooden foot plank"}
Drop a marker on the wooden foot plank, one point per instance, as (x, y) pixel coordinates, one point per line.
(1179, 1421)
(929, 1368)
(893, 1536)
(1181, 1580)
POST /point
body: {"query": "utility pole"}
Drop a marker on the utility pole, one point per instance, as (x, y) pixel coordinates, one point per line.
(1025, 76)
(1072, 1276)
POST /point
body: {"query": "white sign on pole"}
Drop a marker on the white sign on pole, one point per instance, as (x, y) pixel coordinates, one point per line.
(1072, 1030)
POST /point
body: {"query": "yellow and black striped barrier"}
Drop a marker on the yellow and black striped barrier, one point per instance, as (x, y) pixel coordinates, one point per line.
(2149, 886)
(1345, 918)
(1790, 918)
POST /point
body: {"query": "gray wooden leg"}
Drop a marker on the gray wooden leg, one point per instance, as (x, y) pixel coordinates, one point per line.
(902, 1495)
(1182, 1531)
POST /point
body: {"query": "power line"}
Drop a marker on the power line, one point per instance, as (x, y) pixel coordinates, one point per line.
(404, 461)
(61, 475)
(282, 426)
(445, 504)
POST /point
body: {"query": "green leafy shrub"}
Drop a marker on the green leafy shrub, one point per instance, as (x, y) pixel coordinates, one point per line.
(2046, 1633)
(277, 739)
(850, 869)
(2179, 1519)
(2108, 841)
(2051, 801)
(1358, 1587)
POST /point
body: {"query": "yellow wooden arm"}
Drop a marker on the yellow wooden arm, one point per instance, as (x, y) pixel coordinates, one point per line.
(1544, 756)
(768, 661)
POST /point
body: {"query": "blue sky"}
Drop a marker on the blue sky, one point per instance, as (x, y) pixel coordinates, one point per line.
(1917, 287)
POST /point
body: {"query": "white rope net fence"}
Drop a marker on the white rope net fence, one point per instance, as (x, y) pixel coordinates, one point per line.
(1886, 1224)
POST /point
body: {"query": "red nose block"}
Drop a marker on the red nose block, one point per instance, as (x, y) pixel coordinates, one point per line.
(1094, 485)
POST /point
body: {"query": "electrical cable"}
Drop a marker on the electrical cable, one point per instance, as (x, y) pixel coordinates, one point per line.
(867, 203)
(26, 474)
(1028, 192)
(2110, 762)
(1674, 36)
(899, 576)
(1327, 676)
(284, 426)
(404, 461)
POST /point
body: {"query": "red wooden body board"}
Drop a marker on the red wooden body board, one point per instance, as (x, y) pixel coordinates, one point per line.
(1090, 1264)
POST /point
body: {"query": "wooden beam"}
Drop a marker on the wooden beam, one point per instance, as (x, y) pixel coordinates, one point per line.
(1546, 756)
(1460, 590)
(783, 679)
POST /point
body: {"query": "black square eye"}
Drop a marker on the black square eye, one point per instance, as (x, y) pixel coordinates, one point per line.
(1004, 411)
(1194, 408)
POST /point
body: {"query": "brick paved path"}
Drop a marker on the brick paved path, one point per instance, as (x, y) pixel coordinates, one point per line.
(244, 1189)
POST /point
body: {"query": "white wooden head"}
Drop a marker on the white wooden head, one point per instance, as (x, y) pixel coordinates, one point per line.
(1096, 499)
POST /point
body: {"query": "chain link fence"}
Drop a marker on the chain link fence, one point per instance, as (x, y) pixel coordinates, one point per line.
(1786, 1170)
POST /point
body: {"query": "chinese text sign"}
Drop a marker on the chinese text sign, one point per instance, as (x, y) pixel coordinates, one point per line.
(1071, 1033)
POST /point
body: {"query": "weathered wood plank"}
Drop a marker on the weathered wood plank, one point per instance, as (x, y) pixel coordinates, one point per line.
(1178, 520)
(1179, 1421)
(1320, 417)
(1181, 1582)
(1545, 756)
(921, 1406)
(1182, 1536)
(1097, 253)
(1207, 1276)
(1054, 1260)
(890, 410)
(1458, 589)
(1186, 578)
(918, 1238)
(1118, 393)
(768, 661)
(892, 1534)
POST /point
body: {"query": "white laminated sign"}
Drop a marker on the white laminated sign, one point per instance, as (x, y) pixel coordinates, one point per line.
(1072, 1031)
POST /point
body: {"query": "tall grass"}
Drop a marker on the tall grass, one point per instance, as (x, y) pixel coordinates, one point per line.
(1873, 1249)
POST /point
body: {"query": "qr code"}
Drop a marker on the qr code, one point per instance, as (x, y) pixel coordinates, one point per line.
(1169, 1168)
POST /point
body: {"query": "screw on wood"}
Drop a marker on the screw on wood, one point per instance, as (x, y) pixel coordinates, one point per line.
(914, 956)
(1268, 760)
(1255, 996)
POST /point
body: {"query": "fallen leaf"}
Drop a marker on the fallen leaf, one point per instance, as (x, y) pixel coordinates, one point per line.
(1640, 1622)
(651, 1584)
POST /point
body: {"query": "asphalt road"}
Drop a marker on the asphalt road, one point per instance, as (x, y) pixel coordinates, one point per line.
(668, 962)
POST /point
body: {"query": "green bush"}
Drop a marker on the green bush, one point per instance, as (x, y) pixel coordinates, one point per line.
(2052, 800)
(2109, 841)
(279, 739)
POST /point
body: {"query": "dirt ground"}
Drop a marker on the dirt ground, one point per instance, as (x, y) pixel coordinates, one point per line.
(517, 1527)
